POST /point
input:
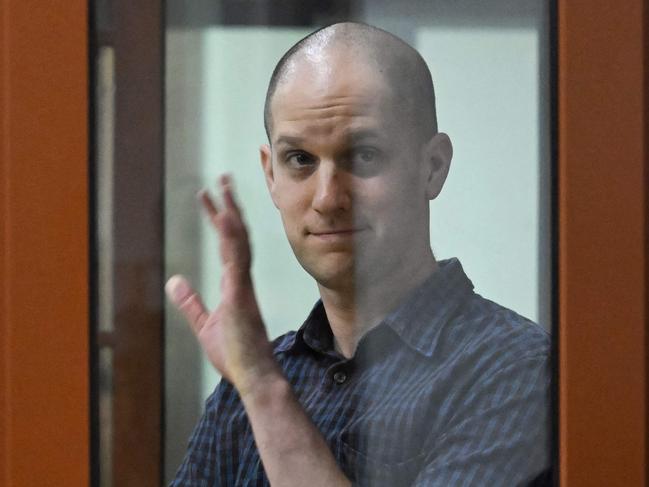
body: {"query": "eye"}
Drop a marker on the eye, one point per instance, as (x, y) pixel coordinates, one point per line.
(364, 156)
(365, 161)
(299, 159)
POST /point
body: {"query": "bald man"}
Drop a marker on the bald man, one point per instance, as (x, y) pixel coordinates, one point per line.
(401, 374)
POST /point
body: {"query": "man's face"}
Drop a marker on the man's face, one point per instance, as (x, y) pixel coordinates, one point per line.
(348, 174)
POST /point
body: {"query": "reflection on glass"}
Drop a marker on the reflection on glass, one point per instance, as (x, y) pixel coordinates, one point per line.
(106, 416)
(105, 92)
(105, 103)
(489, 74)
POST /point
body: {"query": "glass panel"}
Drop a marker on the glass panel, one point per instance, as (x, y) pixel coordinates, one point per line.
(490, 66)
(127, 267)
(105, 131)
(105, 417)
(104, 168)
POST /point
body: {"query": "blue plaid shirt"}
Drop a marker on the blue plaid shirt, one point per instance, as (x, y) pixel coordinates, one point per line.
(450, 389)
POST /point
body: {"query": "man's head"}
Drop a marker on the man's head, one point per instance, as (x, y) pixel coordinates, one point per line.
(401, 65)
(354, 154)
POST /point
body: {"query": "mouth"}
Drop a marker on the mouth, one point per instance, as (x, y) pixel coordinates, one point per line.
(337, 234)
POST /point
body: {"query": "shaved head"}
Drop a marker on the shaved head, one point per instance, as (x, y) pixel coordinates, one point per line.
(348, 45)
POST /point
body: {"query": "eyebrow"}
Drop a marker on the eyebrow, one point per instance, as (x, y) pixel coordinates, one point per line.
(351, 135)
(362, 134)
(289, 140)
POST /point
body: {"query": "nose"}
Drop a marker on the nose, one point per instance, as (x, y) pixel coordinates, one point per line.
(332, 192)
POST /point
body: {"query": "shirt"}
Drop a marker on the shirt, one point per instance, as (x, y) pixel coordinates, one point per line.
(450, 389)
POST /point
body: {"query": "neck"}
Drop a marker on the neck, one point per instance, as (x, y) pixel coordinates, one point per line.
(355, 308)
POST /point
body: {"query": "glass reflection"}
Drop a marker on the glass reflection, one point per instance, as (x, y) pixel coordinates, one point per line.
(489, 79)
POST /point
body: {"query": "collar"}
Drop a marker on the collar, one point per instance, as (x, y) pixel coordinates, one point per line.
(417, 321)
(420, 318)
(315, 333)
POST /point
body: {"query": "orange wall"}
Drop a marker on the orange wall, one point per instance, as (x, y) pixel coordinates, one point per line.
(43, 243)
(602, 242)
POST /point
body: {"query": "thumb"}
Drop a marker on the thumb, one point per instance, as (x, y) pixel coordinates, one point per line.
(187, 301)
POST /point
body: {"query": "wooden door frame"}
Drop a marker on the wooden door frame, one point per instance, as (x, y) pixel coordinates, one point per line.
(602, 228)
(44, 360)
(603, 265)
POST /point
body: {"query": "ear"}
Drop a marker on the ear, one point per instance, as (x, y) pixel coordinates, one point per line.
(265, 155)
(438, 154)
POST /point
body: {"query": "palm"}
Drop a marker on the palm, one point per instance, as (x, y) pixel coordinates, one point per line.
(233, 335)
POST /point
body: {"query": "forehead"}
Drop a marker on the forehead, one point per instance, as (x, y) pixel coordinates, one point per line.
(329, 95)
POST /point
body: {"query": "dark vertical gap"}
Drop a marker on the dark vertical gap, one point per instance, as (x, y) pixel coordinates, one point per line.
(544, 215)
(137, 239)
(93, 400)
(161, 222)
(645, 27)
(554, 229)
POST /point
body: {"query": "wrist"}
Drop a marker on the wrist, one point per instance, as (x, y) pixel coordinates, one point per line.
(264, 389)
(265, 377)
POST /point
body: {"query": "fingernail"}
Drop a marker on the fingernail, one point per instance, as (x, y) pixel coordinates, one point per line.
(226, 180)
(177, 289)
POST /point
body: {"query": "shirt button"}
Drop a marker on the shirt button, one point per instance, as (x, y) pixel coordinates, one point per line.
(340, 377)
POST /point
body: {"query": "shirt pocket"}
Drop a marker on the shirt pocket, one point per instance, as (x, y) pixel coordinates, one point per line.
(377, 469)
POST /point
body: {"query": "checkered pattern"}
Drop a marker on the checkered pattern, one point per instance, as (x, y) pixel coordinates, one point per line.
(450, 389)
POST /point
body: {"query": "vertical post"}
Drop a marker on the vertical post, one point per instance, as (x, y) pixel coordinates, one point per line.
(44, 392)
(602, 242)
(138, 243)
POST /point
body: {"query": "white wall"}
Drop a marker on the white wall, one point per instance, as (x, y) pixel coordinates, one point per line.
(487, 84)
(237, 66)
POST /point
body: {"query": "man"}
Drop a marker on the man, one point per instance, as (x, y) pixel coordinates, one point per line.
(401, 374)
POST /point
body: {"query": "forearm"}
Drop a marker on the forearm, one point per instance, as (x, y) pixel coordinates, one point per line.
(292, 450)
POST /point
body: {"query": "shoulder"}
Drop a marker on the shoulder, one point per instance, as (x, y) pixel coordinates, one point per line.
(487, 339)
(284, 342)
(482, 321)
(494, 359)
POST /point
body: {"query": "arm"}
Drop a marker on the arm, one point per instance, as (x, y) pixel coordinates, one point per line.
(234, 338)
(287, 439)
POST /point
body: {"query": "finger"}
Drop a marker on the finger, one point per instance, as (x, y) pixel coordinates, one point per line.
(208, 204)
(229, 225)
(187, 301)
(235, 246)
(227, 192)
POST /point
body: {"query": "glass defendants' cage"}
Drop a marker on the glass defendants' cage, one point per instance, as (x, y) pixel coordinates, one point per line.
(92, 367)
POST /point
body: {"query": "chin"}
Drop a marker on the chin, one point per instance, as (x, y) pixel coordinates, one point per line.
(332, 271)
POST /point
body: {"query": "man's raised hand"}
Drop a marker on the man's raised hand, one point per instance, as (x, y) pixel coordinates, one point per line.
(233, 335)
